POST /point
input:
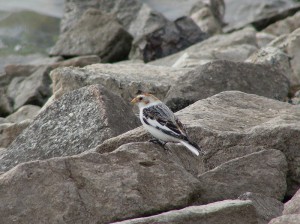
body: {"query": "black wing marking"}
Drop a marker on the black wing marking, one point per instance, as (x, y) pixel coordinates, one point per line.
(165, 117)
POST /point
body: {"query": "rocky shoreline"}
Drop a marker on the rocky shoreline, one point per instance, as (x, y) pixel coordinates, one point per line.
(71, 146)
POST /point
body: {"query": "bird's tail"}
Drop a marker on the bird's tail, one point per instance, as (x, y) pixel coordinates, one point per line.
(193, 147)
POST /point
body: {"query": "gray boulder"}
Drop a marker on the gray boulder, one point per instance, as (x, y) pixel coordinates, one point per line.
(286, 219)
(23, 113)
(223, 212)
(293, 205)
(136, 180)
(233, 124)
(218, 76)
(261, 172)
(276, 58)
(34, 89)
(10, 131)
(259, 13)
(77, 122)
(126, 80)
(5, 103)
(236, 46)
(96, 32)
(285, 26)
(266, 208)
(289, 44)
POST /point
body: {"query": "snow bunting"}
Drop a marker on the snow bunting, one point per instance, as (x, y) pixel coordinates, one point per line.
(160, 121)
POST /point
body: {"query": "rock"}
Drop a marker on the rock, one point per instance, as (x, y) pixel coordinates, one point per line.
(5, 104)
(276, 58)
(34, 89)
(229, 211)
(237, 46)
(166, 38)
(79, 61)
(125, 80)
(293, 205)
(125, 11)
(136, 180)
(266, 208)
(289, 44)
(257, 12)
(261, 172)
(217, 76)
(285, 26)
(286, 219)
(263, 39)
(233, 124)
(9, 131)
(87, 37)
(75, 123)
(208, 15)
(23, 113)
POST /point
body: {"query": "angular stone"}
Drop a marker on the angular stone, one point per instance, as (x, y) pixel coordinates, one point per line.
(223, 212)
(75, 123)
(233, 124)
(10, 131)
(208, 15)
(136, 180)
(23, 113)
(289, 44)
(286, 219)
(261, 172)
(95, 33)
(218, 76)
(125, 10)
(293, 205)
(167, 38)
(237, 46)
(80, 61)
(285, 26)
(5, 104)
(259, 13)
(276, 58)
(125, 80)
(34, 89)
(266, 208)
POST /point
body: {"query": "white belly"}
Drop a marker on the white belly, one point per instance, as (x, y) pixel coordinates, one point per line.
(157, 133)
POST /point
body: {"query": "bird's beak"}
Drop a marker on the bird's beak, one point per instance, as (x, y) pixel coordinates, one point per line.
(134, 100)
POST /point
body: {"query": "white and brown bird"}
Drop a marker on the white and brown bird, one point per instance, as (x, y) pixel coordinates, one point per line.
(161, 122)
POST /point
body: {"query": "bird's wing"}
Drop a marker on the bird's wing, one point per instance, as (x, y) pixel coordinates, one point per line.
(161, 117)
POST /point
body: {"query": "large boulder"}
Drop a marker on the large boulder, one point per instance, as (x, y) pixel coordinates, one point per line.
(75, 123)
(125, 80)
(10, 131)
(97, 33)
(293, 205)
(223, 212)
(33, 89)
(289, 44)
(259, 13)
(261, 172)
(134, 181)
(266, 208)
(284, 26)
(233, 124)
(236, 46)
(23, 113)
(218, 76)
(286, 219)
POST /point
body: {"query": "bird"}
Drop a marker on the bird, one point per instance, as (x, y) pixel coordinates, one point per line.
(158, 119)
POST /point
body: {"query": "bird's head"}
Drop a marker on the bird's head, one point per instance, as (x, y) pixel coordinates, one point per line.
(145, 100)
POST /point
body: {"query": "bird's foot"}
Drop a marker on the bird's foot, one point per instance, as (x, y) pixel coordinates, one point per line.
(159, 142)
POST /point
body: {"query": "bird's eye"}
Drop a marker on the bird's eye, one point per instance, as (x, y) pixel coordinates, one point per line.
(140, 98)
